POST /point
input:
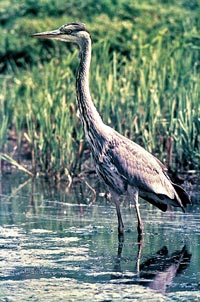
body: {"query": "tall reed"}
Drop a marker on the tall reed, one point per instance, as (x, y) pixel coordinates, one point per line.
(151, 97)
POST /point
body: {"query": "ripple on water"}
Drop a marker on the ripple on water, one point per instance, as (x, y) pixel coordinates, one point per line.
(64, 251)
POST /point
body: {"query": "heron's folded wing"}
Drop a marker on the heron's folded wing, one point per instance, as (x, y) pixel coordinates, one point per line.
(139, 167)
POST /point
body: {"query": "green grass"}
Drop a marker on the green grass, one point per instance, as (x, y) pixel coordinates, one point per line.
(144, 81)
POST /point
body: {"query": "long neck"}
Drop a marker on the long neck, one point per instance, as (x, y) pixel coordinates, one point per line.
(91, 119)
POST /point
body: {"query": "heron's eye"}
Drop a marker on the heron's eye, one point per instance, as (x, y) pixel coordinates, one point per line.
(65, 30)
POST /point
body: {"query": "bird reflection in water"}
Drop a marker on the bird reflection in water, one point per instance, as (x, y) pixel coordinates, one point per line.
(156, 272)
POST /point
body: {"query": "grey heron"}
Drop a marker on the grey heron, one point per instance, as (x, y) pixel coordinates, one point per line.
(125, 167)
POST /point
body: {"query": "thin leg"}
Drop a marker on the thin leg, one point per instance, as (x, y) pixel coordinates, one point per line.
(117, 266)
(140, 224)
(134, 194)
(139, 253)
(119, 216)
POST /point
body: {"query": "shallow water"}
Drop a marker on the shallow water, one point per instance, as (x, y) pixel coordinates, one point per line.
(60, 246)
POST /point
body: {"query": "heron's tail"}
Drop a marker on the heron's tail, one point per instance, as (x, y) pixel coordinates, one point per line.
(182, 195)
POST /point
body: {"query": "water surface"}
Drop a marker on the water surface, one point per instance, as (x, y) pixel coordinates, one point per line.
(59, 245)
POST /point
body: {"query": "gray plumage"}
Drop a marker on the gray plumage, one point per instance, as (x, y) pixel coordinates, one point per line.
(125, 167)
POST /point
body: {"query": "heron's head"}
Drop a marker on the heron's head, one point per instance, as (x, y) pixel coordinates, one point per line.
(73, 32)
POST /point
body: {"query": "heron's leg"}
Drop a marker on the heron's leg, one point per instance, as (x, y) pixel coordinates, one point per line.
(134, 193)
(119, 216)
(117, 201)
(117, 266)
(139, 254)
(140, 224)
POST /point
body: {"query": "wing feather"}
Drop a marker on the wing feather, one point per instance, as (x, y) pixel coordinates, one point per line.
(139, 167)
(122, 163)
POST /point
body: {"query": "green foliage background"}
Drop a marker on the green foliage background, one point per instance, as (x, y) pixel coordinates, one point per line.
(144, 79)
